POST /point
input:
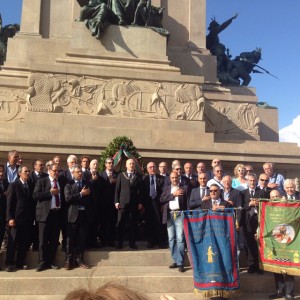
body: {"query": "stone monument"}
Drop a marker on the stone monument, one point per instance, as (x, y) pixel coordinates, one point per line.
(64, 91)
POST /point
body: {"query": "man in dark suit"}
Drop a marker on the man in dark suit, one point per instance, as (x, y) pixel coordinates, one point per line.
(215, 202)
(290, 192)
(263, 185)
(95, 212)
(107, 210)
(79, 202)
(182, 179)
(285, 284)
(37, 173)
(128, 202)
(65, 177)
(19, 215)
(174, 199)
(48, 194)
(215, 162)
(67, 174)
(188, 172)
(153, 184)
(3, 188)
(250, 221)
(235, 198)
(163, 169)
(85, 162)
(200, 193)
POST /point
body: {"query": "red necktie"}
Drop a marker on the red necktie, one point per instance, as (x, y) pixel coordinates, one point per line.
(57, 202)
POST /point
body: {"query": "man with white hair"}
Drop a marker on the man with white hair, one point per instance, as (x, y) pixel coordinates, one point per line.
(276, 180)
(290, 190)
(71, 161)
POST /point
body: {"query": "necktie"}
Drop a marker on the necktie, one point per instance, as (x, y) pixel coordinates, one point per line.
(291, 198)
(152, 188)
(79, 185)
(26, 187)
(252, 193)
(129, 175)
(57, 202)
(152, 180)
(202, 193)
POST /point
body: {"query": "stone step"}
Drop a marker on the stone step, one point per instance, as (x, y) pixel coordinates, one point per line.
(143, 269)
(111, 257)
(147, 279)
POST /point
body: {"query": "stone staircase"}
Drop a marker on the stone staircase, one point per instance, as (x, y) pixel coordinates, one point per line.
(143, 269)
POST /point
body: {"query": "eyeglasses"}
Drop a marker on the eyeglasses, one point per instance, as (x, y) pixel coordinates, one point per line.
(249, 170)
(264, 180)
(213, 191)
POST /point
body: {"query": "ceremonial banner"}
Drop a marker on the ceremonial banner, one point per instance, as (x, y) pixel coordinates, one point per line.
(279, 238)
(211, 240)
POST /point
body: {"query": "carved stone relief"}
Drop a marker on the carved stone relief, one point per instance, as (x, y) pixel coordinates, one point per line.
(227, 117)
(12, 104)
(116, 97)
(127, 98)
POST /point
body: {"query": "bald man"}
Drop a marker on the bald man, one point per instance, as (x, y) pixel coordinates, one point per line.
(128, 202)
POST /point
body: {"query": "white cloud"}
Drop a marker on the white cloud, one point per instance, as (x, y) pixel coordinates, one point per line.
(291, 133)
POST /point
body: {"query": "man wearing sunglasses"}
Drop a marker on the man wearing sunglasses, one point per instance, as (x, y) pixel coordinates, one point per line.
(215, 162)
(263, 185)
(218, 175)
(215, 202)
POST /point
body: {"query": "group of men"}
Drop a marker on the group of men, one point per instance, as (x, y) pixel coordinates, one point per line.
(86, 205)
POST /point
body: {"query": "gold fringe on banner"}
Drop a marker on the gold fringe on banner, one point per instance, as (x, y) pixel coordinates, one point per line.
(280, 270)
(217, 293)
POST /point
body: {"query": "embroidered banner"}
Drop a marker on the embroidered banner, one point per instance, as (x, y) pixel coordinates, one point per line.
(211, 240)
(279, 238)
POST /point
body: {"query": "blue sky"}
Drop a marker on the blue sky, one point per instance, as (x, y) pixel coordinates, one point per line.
(272, 25)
